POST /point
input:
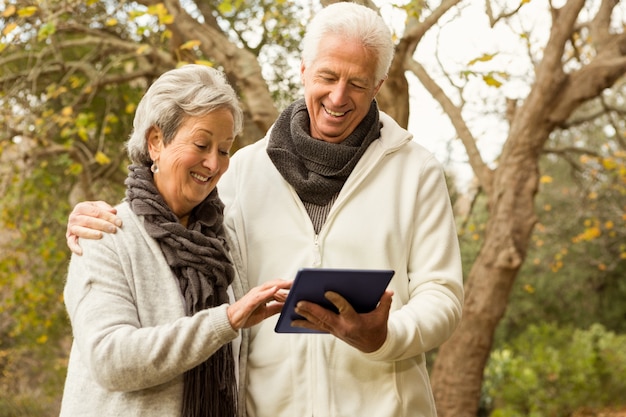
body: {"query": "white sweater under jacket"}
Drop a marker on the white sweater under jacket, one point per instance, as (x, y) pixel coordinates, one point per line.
(393, 212)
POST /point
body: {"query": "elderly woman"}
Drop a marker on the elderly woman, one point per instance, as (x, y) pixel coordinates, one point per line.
(149, 305)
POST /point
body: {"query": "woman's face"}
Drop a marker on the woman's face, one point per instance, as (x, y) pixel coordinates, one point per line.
(193, 162)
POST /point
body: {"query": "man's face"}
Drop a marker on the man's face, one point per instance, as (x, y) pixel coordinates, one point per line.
(339, 88)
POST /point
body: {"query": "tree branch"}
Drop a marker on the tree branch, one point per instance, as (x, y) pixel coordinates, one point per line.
(482, 171)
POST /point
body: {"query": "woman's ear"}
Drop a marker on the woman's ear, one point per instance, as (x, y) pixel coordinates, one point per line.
(155, 142)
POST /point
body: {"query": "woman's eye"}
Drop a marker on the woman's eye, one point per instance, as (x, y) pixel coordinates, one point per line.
(201, 146)
(225, 153)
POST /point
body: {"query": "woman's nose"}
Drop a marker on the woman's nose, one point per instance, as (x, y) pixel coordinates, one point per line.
(211, 161)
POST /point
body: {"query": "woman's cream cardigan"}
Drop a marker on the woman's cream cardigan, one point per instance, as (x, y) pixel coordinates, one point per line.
(132, 340)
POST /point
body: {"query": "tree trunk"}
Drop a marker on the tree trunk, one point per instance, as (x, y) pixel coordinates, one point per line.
(458, 371)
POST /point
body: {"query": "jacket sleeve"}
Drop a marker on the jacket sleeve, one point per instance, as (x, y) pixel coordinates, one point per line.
(127, 345)
(433, 310)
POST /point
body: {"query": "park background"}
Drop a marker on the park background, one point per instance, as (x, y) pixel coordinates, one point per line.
(524, 102)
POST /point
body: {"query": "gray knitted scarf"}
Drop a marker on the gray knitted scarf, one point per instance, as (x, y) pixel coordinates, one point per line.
(198, 258)
(315, 168)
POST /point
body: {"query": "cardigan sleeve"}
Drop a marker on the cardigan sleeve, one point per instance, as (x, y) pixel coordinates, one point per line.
(127, 314)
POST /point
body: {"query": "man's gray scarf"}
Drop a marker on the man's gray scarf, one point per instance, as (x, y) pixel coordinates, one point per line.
(315, 168)
(198, 257)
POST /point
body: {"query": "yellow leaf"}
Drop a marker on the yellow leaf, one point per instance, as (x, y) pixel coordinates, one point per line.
(529, 288)
(609, 164)
(83, 134)
(9, 28)
(545, 179)
(491, 81)
(75, 81)
(142, 49)
(74, 169)
(9, 11)
(130, 108)
(133, 14)
(166, 19)
(102, 159)
(592, 195)
(157, 9)
(42, 339)
(27, 11)
(204, 62)
(190, 44)
(483, 58)
(609, 224)
(67, 111)
(111, 22)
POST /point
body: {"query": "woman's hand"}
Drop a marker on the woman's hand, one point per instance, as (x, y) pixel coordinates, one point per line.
(258, 304)
(88, 220)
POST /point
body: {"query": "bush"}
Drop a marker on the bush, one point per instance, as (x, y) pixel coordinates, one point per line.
(551, 372)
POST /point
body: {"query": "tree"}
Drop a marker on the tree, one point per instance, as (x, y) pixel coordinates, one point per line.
(581, 58)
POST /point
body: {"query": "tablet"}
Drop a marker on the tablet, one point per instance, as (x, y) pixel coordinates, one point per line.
(362, 288)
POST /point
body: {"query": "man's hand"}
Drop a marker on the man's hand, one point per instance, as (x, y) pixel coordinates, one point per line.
(366, 332)
(88, 220)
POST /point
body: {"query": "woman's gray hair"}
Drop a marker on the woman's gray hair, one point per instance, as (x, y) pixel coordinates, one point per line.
(191, 90)
(350, 21)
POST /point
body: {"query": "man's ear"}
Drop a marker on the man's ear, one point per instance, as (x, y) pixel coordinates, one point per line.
(380, 84)
(155, 142)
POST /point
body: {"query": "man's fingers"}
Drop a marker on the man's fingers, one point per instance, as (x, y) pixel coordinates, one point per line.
(89, 232)
(103, 205)
(342, 305)
(97, 209)
(72, 243)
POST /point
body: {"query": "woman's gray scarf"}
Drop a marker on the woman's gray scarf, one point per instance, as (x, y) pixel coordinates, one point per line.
(315, 168)
(198, 258)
